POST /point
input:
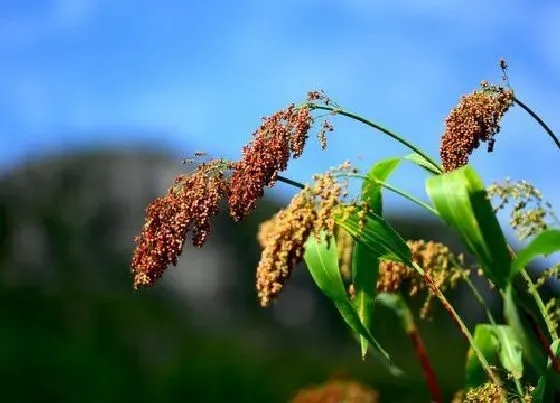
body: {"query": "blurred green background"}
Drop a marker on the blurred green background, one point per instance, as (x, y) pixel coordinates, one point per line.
(72, 328)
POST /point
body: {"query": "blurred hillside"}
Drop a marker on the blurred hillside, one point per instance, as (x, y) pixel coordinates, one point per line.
(72, 328)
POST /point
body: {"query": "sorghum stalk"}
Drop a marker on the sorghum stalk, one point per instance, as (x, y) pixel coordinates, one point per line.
(538, 120)
(422, 354)
(459, 322)
(374, 125)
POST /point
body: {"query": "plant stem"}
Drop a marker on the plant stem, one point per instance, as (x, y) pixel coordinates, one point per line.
(547, 129)
(542, 339)
(519, 389)
(382, 129)
(422, 355)
(393, 189)
(290, 182)
(459, 322)
(480, 300)
(532, 289)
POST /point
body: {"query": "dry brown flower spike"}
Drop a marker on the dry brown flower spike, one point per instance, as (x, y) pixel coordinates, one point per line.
(188, 206)
(280, 137)
(437, 261)
(282, 238)
(475, 120)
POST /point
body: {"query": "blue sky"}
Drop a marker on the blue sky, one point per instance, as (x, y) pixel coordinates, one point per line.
(199, 75)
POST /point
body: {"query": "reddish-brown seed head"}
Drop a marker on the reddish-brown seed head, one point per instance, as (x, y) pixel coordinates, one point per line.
(280, 137)
(475, 120)
(188, 206)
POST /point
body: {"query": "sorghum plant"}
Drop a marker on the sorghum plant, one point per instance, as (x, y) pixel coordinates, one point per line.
(345, 238)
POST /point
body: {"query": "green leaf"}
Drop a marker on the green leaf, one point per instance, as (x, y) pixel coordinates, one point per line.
(371, 190)
(544, 243)
(423, 163)
(548, 384)
(538, 394)
(498, 343)
(459, 196)
(531, 348)
(475, 375)
(321, 258)
(509, 349)
(377, 235)
(365, 263)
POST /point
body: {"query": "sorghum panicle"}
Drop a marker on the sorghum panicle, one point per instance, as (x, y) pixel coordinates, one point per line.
(475, 120)
(337, 391)
(530, 214)
(282, 238)
(188, 206)
(437, 261)
(345, 246)
(280, 137)
(487, 393)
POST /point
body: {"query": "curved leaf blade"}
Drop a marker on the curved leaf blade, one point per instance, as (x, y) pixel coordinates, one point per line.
(510, 350)
(475, 375)
(423, 163)
(365, 263)
(498, 343)
(539, 393)
(371, 190)
(460, 197)
(530, 346)
(548, 384)
(545, 243)
(377, 235)
(321, 258)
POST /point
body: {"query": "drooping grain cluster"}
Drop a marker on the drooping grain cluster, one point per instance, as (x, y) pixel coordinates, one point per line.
(476, 119)
(194, 198)
(188, 206)
(345, 246)
(280, 137)
(282, 238)
(337, 391)
(437, 261)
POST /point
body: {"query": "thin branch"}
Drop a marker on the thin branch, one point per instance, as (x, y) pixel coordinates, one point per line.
(547, 129)
(382, 129)
(290, 182)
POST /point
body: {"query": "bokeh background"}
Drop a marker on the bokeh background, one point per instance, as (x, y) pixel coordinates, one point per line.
(99, 102)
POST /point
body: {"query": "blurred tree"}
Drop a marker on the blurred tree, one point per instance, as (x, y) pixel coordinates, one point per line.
(72, 329)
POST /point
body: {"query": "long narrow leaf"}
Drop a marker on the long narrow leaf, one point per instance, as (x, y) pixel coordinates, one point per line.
(459, 196)
(423, 163)
(321, 259)
(509, 350)
(539, 393)
(371, 190)
(547, 386)
(545, 243)
(377, 235)
(531, 349)
(365, 263)
(475, 375)
(498, 343)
